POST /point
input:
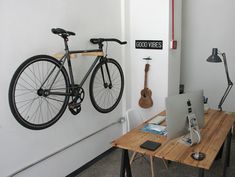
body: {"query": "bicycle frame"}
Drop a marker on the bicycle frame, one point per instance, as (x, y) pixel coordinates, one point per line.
(72, 84)
(89, 70)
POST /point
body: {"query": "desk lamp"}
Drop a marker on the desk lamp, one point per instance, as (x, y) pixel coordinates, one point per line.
(214, 58)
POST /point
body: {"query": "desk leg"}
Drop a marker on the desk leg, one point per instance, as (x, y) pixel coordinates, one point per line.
(220, 153)
(229, 147)
(201, 172)
(227, 154)
(125, 164)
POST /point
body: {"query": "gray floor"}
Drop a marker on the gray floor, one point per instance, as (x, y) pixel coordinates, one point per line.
(109, 166)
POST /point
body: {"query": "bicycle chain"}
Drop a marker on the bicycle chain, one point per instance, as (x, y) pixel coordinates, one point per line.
(75, 105)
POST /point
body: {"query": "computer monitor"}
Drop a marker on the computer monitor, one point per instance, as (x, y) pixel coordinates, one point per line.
(177, 110)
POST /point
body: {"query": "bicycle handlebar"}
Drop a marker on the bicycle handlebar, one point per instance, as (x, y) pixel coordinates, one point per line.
(101, 40)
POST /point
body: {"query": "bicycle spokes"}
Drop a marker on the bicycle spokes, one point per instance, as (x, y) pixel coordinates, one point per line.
(32, 102)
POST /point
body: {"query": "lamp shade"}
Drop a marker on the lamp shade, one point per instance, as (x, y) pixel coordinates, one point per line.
(214, 58)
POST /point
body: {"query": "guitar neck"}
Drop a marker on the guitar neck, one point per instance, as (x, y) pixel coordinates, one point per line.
(145, 80)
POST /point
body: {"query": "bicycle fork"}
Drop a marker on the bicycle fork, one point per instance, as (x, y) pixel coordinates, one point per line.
(110, 85)
(105, 84)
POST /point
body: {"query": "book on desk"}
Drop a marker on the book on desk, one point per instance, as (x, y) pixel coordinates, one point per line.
(153, 126)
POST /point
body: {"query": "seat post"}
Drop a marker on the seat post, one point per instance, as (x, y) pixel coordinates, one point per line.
(68, 60)
(66, 43)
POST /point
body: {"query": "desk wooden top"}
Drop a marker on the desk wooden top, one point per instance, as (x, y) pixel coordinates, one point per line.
(213, 134)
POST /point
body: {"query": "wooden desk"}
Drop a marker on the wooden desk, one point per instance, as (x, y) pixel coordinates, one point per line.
(217, 127)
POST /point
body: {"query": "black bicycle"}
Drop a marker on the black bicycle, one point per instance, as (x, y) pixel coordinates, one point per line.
(41, 88)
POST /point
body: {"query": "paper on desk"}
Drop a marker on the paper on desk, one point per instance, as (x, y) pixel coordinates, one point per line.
(156, 129)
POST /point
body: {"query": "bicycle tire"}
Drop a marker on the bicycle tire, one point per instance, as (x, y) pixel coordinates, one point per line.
(29, 106)
(104, 97)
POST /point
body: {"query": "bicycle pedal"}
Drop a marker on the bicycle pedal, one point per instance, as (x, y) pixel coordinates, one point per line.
(73, 105)
(75, 111)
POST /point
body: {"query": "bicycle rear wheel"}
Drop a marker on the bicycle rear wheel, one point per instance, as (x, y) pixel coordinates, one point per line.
(106, 85)
(29, 94)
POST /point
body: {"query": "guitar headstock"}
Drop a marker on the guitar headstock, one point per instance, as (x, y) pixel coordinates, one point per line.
(146, 68)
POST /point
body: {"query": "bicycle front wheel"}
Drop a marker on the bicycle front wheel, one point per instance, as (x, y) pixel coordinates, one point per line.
(29, 94)
(106, 85)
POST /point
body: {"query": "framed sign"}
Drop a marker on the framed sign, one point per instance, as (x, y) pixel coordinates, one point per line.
(149, 44)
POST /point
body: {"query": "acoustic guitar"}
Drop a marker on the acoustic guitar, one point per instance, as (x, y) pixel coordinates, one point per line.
(146, 99)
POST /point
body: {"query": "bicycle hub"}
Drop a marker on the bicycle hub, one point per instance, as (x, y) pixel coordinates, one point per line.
(42, 92)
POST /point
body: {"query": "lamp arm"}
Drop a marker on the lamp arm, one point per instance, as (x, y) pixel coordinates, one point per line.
(226, 69)
(224, 96)
(230, 83)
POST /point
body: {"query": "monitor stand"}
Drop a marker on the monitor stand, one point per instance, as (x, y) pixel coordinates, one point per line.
(193, 137)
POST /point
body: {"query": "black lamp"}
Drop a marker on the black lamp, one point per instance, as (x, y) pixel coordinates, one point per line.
(214, 58)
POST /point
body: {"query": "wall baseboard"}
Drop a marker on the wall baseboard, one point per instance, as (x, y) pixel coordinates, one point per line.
(90, 163)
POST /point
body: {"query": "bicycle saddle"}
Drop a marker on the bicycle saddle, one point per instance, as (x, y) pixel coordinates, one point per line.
(62, 32)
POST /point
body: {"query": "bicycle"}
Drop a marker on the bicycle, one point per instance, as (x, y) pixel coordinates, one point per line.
(41, 88)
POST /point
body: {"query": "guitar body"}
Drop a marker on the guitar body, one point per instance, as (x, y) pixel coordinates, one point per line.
(146, 99)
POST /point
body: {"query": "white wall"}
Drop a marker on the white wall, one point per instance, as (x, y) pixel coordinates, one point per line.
(206, 25)
(150, 20)
(25, 31)
(175, 54)
(26, 27)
